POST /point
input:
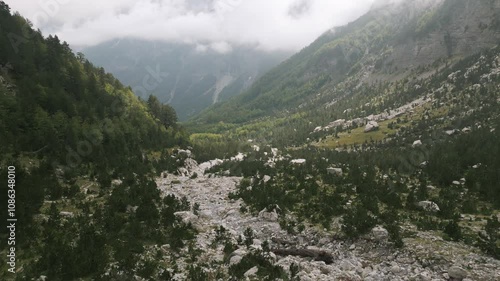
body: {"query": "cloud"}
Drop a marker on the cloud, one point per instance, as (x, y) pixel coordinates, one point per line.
(215, 24)
(221, 47)
(299, 9)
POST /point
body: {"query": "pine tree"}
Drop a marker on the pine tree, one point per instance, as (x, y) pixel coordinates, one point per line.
(453, 230)
(489, 239)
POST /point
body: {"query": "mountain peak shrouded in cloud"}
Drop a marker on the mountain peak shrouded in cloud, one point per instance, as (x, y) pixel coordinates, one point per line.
(214, 24)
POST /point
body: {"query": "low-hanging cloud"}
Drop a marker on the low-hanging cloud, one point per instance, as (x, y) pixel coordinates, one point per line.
(214, 24)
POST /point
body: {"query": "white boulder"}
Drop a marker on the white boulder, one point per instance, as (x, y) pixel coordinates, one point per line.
(209, 164)
(380, 233)
(116, 182)
(268, 216)
(335, 171)
(266, 178)
(235, 260)
(428, 206)
(371, 126)
(417, 143)
(239, 157)
(298, 161)
(251, 272)
(186, 152)
(183, 172)
(66, 214)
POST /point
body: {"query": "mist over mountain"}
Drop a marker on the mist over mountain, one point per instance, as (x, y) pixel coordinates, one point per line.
(270, 25)
(388, 43)
(188, 77)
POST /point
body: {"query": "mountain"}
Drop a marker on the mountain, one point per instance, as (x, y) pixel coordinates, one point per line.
(356, 159)
(390, 43)
(192, 77)
(383, 134)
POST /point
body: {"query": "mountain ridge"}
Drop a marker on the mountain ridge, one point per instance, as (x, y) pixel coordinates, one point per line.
(382, 45)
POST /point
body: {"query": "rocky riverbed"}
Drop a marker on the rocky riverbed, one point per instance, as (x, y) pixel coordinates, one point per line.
(426, 256)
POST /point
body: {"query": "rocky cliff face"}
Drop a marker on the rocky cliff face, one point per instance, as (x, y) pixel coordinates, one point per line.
(446, 29)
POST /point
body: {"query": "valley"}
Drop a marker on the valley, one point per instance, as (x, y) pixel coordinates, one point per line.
(371, 154)
(192, 77)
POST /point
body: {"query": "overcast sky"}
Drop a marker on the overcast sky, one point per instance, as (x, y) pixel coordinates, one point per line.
(217, 24)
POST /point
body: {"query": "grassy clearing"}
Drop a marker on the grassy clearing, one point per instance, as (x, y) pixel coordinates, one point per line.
(358, 136)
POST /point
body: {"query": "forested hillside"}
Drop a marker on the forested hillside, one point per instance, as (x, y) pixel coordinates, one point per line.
(69, 129)
(385, 45)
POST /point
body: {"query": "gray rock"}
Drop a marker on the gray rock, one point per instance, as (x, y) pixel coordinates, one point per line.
(183, 152)
(371, 126)
(235, 260)
(298, 161)
(457, 273)
(346, 265)
(116, 182)
(428, 206)
(183, 171)
(325, 269)
(251, 272)
(395, 269)
(268, 216)
(66, 214)
(335, 171)
(131, 209)
(466, 130)
(380, 233)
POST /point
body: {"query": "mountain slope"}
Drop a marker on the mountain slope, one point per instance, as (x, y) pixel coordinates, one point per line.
(67, 130)
(386, 44)
(389, 128)
(192, 77)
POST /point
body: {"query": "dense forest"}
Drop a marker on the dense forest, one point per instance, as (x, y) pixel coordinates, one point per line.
(69, 128)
